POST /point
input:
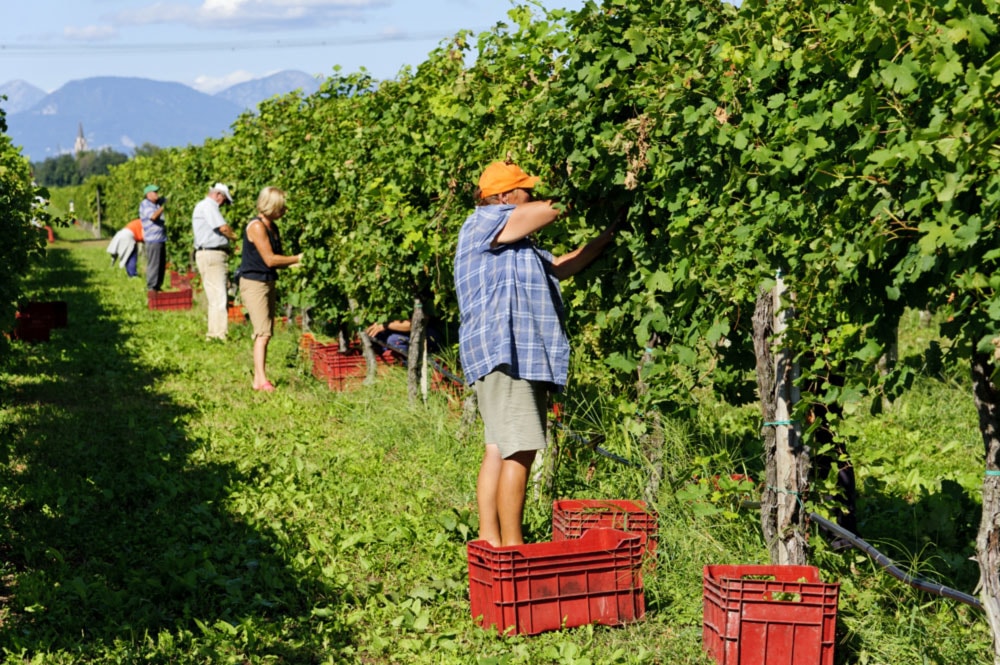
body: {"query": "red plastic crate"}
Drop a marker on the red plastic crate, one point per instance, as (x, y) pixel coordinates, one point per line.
(180, 280)
(28, 330)
(237, 314)
(51, 313)
(339, 370)
(306, 343)
(313, 350)
(571, 518)
(530, 589)
(169, 300)
(768, 615)
(325, 358)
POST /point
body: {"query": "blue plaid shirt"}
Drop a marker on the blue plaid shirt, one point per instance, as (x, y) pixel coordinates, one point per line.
(510, 305)
(153, 230)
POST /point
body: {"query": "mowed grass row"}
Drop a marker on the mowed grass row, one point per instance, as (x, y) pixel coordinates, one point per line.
(158, 510)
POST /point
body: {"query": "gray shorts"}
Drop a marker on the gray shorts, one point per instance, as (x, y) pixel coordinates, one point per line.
(513, 411)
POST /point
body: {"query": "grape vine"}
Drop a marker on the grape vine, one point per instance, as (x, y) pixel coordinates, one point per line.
(852, 146)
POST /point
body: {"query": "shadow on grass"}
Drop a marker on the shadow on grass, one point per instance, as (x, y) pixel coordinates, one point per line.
(110, 531)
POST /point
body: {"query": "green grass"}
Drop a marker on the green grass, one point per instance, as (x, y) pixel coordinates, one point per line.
(158, 510)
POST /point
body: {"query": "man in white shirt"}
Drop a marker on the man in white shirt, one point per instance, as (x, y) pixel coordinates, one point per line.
(211, 243)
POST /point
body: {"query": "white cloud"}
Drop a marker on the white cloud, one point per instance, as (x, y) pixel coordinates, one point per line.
(158, 13)
(258, 14)
(90, 33)
(213, 84)
(392, 32)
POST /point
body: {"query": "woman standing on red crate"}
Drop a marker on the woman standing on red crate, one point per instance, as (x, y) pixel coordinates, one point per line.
(258, 273)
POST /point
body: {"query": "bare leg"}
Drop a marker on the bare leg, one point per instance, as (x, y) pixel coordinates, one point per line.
(510, 496)
(260, 360)
(486, 495)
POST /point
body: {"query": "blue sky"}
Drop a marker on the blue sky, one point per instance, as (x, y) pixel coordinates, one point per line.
(211, 44)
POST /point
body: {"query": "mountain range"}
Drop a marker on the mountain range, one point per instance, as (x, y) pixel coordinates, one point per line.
(124, 113)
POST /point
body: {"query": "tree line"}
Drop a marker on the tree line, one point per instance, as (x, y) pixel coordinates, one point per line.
(72, 169)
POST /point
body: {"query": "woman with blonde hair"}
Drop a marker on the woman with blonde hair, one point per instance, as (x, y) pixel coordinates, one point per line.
(258, 274)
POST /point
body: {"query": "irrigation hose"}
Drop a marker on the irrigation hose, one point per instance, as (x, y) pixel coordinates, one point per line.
(594, 444)
(887, 563)
(890, 566)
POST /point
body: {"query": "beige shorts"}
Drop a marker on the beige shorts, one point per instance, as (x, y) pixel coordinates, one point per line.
(259, 299)
(513, 411)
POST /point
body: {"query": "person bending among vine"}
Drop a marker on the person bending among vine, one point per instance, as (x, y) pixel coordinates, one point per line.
(394, 337)
(258, 274)
(512, 339)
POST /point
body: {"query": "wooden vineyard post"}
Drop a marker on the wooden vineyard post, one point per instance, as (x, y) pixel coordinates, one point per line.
(98, 206)
(371, 364)
(988, 538)
(470, 412)
(541, 466)
(425, 370)
(416, 355)
(653, 440)
(783, 514)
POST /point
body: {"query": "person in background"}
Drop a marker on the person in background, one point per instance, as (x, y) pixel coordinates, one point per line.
(212, 234)
(124, 247)
(394, 336)
(512, 339)
(261, 259)
(154, 233)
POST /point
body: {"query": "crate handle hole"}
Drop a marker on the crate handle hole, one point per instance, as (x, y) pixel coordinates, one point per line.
(785, 597)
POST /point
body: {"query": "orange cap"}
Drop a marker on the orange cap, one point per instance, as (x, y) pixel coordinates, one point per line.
(500, 177)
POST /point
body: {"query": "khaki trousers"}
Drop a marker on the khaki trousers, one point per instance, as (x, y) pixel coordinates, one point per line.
(213, 268)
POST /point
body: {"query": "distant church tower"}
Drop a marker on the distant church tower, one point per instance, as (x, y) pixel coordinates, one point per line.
(81, 142)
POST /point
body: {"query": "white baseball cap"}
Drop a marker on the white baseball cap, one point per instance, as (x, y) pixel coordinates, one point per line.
(219, 187)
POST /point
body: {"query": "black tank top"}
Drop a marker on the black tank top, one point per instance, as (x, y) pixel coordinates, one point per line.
(252, 266)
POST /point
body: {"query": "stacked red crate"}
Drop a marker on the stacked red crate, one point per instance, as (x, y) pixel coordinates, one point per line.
(529, 589)
(571, 518)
